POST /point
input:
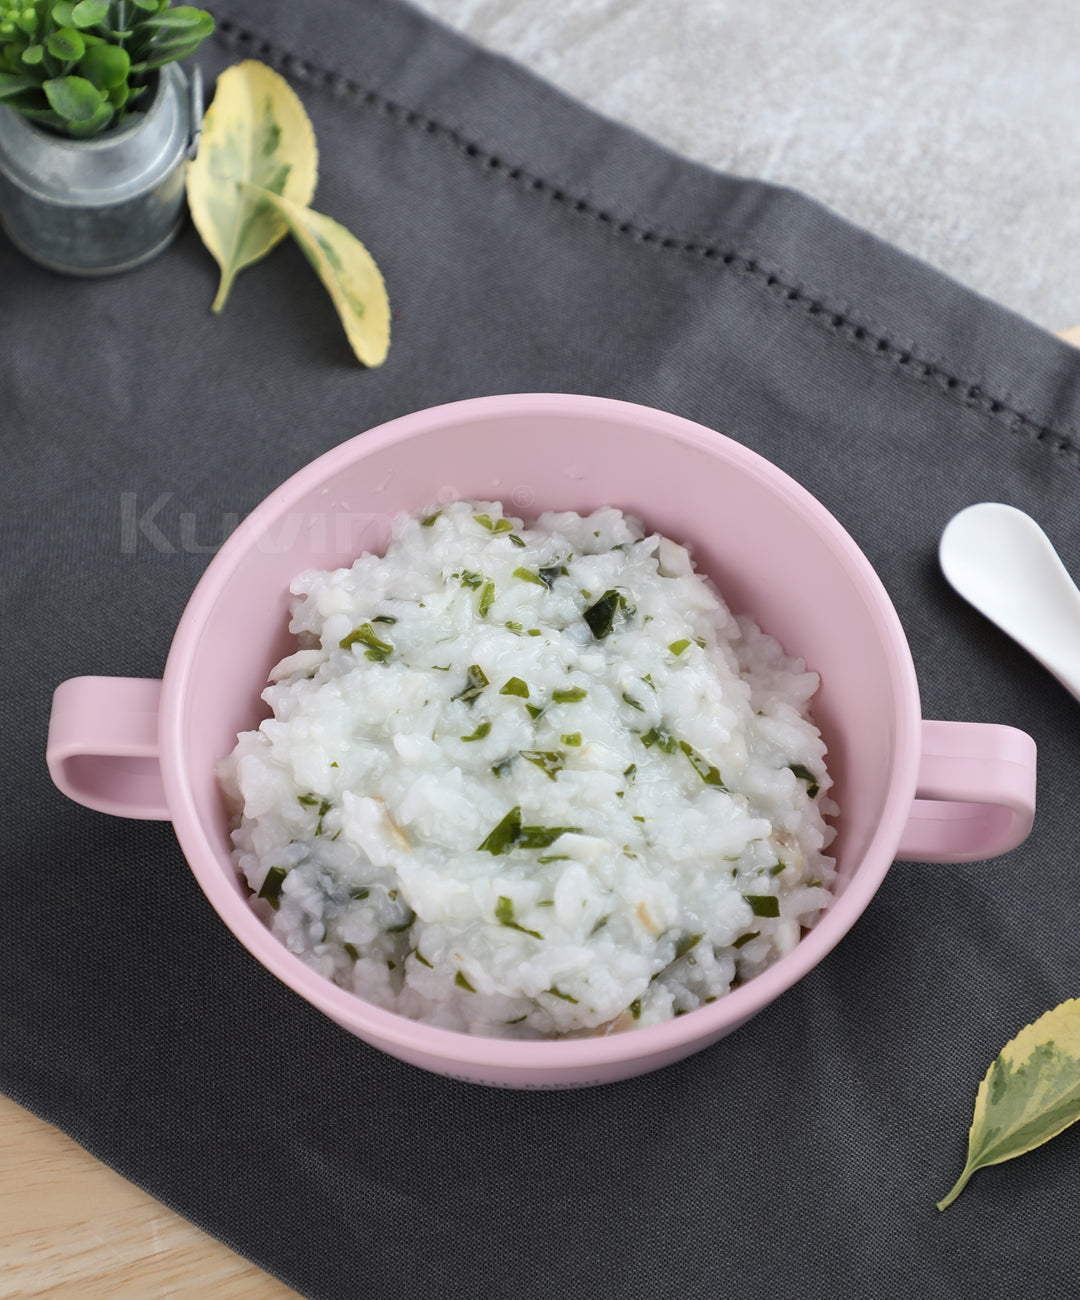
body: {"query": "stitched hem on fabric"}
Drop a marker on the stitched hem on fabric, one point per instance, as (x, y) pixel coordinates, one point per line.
(839, 322)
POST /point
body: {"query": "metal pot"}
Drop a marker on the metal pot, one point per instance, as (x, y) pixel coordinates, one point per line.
(92, 207)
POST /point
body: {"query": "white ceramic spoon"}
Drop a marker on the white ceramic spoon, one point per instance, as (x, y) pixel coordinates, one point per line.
(1000, 560)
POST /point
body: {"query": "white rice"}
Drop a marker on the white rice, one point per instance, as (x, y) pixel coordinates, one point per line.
(652, 837)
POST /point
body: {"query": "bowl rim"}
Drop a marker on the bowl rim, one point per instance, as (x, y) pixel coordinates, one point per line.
(449, 1047)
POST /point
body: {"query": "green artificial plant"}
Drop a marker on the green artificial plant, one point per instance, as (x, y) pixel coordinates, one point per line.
(78, 68)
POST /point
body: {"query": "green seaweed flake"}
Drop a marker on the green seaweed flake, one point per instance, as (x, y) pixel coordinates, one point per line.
(558, 993)
(685, 943)
(550, 572)
(527, 575)
(481, 731)
(657, 736)
(366, 635)
(271, 886)
(510, 833)
(763, 904)
(504, 914)
(569, 695)
(549, 762)
(804, 774)
(494, 525)
(324, 808)
(501, 838)
(702, 766)
(542, 837)
(402, 926)
(601, 615)
(476, 680)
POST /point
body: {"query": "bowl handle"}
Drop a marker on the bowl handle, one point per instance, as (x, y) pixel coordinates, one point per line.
(975, 796)
(103, 745)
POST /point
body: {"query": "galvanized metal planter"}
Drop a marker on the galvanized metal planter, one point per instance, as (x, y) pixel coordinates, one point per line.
(93, 207)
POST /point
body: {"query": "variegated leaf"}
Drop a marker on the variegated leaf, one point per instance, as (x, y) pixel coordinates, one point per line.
(257, 143)
(1029, 1095)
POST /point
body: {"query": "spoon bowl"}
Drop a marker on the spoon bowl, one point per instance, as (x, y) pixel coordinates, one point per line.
(1001, 561)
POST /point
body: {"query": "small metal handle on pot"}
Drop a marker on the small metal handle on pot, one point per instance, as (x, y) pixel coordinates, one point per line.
(975, 796)
(103, 745)
(196, 100)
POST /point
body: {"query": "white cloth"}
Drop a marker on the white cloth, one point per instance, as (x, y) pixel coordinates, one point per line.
(948, 127)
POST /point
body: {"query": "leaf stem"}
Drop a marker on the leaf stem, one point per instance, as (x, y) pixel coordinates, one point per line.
(961, 1183)
(218, 305)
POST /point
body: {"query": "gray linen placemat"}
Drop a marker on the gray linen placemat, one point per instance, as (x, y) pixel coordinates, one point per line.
(528, 245)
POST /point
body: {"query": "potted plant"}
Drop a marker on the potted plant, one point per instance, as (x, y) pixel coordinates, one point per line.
(96, 121)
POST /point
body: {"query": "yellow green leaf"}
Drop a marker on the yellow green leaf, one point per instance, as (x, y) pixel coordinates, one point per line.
(256, 140)
(349, 272)
(1029, 1095)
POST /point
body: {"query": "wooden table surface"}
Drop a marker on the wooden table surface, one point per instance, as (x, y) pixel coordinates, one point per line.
(72, 1229)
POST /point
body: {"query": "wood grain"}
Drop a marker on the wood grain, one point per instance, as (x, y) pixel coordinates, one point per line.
(73, 1228)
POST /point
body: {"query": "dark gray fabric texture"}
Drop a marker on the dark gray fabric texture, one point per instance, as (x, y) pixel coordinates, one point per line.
(529, 245)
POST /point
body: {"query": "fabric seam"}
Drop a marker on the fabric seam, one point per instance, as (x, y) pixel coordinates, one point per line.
(839, 322)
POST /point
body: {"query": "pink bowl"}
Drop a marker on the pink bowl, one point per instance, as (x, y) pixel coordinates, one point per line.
(941, 791)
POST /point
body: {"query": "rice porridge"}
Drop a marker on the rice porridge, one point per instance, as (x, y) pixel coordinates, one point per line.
(532, 780)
